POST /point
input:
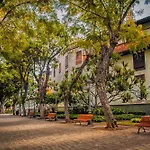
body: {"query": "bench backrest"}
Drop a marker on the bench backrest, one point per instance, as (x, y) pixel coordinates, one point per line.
(85, 116)
(31, 113)
(52, 115)
(145, 119)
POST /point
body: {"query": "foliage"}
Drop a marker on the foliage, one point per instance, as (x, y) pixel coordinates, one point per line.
(126, 116)
(100, 111)
(77, 91)
(52, 99)
(97, 118)
(72, 116)
(9, 81)
(121, 82)
(141, 113)
(80, 110)
(135, 120)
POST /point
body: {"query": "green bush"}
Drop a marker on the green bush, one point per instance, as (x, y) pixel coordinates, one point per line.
(61, 116)
(126, 116)
(73, 116)
(135, 120)
(138, 113)
(117, 111)
(80, 110)
(100, 111)
(36, 114)
(60, 112)
(98, 118)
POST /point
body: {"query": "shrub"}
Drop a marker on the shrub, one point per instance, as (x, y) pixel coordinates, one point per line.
(135, 120)
(138, 113)
(61, 116)
(98, 111)
(80, 110)
(117, 111)
(98, 118)
(73, 116)
(126, 116)
(60, 112)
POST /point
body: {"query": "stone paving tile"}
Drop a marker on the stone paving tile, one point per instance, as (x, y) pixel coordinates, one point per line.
(22, 133)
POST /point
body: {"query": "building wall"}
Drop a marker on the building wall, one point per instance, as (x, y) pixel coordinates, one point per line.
(129, 59)
(71, 64)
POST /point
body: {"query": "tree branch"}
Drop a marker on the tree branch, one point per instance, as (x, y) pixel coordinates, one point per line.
(13, 8)
(86, 9)
(125, 14)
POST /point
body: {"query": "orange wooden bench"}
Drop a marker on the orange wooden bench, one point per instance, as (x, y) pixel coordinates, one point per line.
(145, 122)
(51, 116)
(84, 118)
(31, 114)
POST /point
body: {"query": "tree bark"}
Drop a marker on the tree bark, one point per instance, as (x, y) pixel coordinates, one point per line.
(14, 108)
(2, 108)
(42, 110)
(101, 73)
(66, 103)
(101, 90)
(24, 98)
(20, 109)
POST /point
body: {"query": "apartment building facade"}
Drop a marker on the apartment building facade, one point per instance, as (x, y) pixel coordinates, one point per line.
(140, 63)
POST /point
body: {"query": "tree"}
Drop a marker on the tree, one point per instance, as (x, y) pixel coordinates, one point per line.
(9, 84)
(50, 42)
(19, 50)
(71, 85)
(108, 22)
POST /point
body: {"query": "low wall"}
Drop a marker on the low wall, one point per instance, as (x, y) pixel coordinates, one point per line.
(144, 107)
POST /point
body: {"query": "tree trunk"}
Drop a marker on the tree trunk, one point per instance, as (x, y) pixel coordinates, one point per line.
(24, 98)
(2, 108)
(101, 90)
(101, 73)
(42, 110)
(14, 108)
(20, 109)
(42, 102)
(67, 117)
(23, 108)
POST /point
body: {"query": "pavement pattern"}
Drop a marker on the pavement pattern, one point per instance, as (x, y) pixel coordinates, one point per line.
(22, 133)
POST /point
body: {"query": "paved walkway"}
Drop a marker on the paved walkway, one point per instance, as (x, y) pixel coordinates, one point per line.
(22, 133)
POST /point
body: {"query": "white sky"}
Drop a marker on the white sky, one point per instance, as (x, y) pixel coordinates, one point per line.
(144, 7)
(140, 6)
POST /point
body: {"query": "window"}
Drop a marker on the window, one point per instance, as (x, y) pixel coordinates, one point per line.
(139, 61)
(54, 73)
(59, 67)
(141, 76)
(78, 57)
(66, 62)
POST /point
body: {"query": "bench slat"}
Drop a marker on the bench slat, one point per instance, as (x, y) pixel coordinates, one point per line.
(145, 122)
(51, 116)
(84, 118)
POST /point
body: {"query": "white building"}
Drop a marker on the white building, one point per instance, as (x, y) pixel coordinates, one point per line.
(140, 63)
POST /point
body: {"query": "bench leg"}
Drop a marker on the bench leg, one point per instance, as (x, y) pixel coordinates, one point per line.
(89, 123)
(139, 130)
(143, 129)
